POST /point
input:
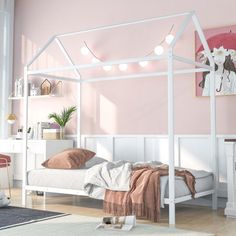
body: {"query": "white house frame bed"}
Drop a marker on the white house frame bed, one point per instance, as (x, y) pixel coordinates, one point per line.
(170, 56)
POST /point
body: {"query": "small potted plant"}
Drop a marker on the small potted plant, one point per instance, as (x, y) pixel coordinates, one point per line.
(63, 118)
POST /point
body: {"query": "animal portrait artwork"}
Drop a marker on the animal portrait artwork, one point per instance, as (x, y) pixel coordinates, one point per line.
(222, 44)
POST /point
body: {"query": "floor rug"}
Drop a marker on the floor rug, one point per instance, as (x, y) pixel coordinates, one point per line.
(75, 225)
(13, 216)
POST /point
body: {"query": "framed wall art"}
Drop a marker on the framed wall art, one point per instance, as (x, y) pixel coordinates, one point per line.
(222, 43)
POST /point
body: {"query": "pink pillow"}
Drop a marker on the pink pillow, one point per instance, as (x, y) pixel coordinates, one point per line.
(72, 158)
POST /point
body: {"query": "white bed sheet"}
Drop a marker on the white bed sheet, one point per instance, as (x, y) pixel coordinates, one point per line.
(74, 179)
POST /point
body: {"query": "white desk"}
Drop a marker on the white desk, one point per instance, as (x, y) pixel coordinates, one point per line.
(230, 152)
(38, 151)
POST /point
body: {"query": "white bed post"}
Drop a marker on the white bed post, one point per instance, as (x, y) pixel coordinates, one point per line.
(69, 59)
(79, 103)
(213, 143)
(171, 138)
(214, 156)
(25, 137)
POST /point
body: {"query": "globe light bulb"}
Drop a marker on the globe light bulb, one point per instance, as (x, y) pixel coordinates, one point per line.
(107, 68)
(158, 50)
(84, 51)
(143, 63)
(11, 119)
(95, 60)
(169, 38)
(123, 67)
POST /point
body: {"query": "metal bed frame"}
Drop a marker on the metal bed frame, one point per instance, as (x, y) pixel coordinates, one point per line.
(170, 56)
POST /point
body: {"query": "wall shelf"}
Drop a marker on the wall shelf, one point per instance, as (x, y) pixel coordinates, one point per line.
(34, 97)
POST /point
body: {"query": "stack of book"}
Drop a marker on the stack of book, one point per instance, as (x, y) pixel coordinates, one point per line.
(125, 223)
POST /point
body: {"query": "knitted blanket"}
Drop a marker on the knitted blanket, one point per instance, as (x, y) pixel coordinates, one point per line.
(143, 198)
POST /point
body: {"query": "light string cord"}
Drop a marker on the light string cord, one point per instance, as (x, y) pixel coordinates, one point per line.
(161, 42)
(148, 54)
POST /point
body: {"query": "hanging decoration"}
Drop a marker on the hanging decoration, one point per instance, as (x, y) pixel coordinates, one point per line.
(158, 50)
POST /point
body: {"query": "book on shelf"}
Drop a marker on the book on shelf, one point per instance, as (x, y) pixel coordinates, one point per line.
(124, 223)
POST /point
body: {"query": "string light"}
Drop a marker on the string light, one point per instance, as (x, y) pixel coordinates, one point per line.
(169, 38)
(158, 50)
(95, 60)
(84, 50)
(107, 68)
(143, 63)
(123, 67)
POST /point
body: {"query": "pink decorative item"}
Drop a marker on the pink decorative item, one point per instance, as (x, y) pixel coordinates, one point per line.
(222, 43)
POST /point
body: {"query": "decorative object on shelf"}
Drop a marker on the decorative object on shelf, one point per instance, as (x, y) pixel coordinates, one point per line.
(18, 87)
(38, 129)
(57, 89)
(51, 134)
(46, 87)
(11, 118)
(63, 118)
(35, 91)
(30, 133)
(19, 134)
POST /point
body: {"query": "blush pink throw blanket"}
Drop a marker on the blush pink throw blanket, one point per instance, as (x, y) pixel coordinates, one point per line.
(143, 198)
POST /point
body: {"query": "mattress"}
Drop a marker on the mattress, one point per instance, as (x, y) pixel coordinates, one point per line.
(74, 179)
(57, 178)
(202, 184)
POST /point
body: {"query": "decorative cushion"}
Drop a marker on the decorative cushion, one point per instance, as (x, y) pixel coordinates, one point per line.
(72, 158)
(94, 161)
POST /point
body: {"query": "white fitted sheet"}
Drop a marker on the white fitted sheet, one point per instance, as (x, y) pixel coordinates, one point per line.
(57, 178)
(74, 179)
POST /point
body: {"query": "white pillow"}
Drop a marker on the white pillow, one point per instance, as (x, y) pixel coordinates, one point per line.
(94, 161)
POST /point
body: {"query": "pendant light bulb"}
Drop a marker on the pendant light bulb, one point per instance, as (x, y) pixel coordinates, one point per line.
(123, 67)
(95, 60)
(84, 51)
(107, 68)
(169, 38)
(158, 50)
(143, 63)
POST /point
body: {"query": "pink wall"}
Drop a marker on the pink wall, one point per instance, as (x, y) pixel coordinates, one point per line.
(121, 107)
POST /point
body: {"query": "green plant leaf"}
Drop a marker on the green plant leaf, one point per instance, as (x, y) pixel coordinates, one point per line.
(63, 118)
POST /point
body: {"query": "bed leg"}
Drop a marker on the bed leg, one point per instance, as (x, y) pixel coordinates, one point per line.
(24, 197)
(214, 201)
(44, 200)
(172, 214)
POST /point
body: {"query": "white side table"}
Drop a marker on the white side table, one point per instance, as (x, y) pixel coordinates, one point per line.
(38, 151)
(230, 152)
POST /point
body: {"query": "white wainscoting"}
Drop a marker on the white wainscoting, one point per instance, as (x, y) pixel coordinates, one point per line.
(191, 151)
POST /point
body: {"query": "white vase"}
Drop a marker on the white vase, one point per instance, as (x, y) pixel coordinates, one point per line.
(62, 132)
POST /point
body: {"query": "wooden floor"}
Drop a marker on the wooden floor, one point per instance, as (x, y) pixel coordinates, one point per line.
(187, 217)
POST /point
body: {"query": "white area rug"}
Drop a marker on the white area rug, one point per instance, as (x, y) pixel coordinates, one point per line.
(75, 225)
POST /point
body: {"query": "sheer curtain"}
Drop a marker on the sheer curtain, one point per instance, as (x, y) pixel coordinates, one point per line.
(6, 61)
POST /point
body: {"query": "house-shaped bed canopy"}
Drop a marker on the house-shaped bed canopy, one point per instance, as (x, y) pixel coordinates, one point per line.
(170, 57)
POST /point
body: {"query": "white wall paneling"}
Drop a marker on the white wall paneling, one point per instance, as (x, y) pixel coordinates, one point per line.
(191, 151)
